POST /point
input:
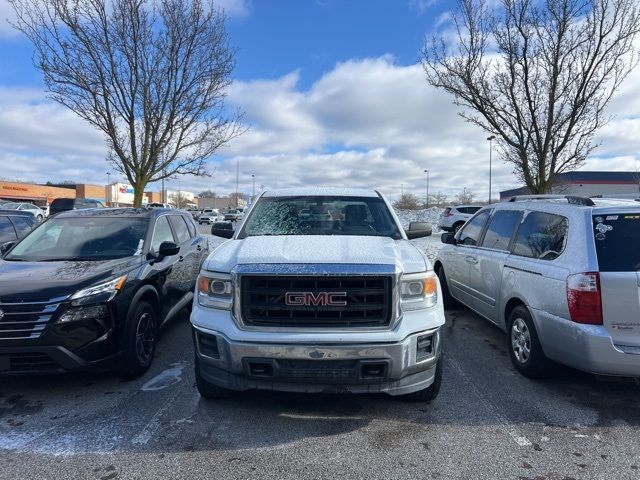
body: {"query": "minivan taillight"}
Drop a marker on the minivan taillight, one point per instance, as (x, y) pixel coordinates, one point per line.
(583, 296)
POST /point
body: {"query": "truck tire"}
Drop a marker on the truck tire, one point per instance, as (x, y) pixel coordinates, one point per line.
(140, 338)
(431, 392)
(523, 345)
(207, 389)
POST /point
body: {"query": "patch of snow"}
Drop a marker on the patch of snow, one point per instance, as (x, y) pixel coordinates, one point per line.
(430, 215)
(164, 379)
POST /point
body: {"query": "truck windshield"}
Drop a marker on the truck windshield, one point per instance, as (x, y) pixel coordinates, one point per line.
(617, 237)
(322, 215)
(83, 238)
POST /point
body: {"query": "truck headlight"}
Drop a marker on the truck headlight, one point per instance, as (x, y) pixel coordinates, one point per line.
(102, 292)
(418, 290)
(215, 290)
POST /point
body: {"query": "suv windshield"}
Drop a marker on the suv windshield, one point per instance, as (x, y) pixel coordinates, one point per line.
(86, 238)
(322, 215)
(617, 238)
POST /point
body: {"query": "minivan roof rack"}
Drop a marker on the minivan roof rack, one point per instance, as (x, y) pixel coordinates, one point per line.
(572, 199)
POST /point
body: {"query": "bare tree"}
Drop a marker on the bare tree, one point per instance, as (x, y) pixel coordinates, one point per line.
(538, 75)
(178, 200)
(439, 199)
(151, 75)
(207, 194)
(464, 197)
(407, 201)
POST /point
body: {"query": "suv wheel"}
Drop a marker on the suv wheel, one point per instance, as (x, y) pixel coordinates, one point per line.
(141, 335)
(209, 390)
(523, 344)
(457, 227)
(39, 218)
(447, 300)
(431, 392)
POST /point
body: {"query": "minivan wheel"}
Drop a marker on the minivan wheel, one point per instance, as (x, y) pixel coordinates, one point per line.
(447, 300)
(523, 344)
(431, 392)
(209, 390)
(141, 336)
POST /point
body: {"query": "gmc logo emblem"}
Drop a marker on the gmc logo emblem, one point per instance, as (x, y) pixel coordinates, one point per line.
(322, 299)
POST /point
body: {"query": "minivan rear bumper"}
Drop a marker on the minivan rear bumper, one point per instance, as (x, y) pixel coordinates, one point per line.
(585, 347)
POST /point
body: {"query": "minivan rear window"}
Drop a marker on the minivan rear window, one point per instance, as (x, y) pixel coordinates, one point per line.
(617, 238)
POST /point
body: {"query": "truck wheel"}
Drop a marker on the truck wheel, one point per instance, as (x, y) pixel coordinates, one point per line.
(447, 300)
(523, 345)
(207, 389)
(431, 392)
(140, 337)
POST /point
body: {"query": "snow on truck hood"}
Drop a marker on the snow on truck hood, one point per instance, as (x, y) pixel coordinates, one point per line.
(317, 249)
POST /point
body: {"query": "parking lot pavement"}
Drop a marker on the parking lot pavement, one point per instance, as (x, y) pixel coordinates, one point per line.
(488, 422)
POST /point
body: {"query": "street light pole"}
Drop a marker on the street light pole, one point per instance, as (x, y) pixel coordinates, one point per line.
(427, 172)
(108, 189)
(237, 180)
(491, 139)
(253, 194)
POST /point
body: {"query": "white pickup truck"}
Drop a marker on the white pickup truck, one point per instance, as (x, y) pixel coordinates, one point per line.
(334, 300)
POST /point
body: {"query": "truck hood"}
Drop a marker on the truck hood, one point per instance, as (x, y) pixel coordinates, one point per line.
(300, 249)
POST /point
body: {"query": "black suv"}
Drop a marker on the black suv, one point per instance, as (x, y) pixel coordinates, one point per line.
(90, 289)
(64, 204)
(14, 225)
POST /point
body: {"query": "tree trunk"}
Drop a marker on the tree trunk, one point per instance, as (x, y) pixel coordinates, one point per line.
(138, 194)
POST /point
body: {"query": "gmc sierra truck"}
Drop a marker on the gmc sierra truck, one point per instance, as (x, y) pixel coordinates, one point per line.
(336, 299)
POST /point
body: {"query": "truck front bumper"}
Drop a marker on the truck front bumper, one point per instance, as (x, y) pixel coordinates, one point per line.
(396, 368)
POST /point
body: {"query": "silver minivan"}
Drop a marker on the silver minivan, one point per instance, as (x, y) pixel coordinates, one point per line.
(560, 275)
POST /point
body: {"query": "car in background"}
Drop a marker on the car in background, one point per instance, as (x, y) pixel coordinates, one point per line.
(13, 226)
(64, 204)
(90, 289)
(159, 205)
(453, 218)
(560, 275)
(234, 215)
(37, 212)
(209, 215)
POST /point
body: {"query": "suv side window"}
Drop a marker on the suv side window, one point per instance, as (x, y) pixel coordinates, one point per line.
(541, 235)
(161, 233)
(23, 226)
(472, 230)
(191, 226)
(501, 228)
(180, 227)
(7, 233)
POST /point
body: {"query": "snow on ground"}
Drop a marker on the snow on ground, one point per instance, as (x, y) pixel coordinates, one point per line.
(430, 215)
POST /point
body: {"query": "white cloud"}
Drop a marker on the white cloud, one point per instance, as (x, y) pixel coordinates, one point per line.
(6, 14)
(367, 123)
(235, 8)
(421, 6)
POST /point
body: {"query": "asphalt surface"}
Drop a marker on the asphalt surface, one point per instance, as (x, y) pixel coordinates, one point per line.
(488, 422)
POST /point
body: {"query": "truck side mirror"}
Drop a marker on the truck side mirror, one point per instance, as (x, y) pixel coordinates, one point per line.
(448, 238)
(418, 230)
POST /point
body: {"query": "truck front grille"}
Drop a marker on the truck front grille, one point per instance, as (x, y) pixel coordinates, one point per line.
(368, 301)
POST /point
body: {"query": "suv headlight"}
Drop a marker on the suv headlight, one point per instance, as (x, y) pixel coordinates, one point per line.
(102, 292)
(418, 290)
(215, 290)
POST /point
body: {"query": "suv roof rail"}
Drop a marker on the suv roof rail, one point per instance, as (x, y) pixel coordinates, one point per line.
(572, 199)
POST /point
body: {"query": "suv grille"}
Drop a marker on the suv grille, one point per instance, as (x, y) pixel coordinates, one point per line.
(25, 320)
(368, 301)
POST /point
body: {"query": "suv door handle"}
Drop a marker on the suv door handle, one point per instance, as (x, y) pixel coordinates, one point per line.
(472, 260)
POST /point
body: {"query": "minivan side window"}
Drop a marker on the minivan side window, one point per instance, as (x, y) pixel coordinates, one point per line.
(472, 230)
(501, 228)
(541, 235)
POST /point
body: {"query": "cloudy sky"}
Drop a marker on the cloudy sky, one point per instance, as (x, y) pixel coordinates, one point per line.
(332, 94)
